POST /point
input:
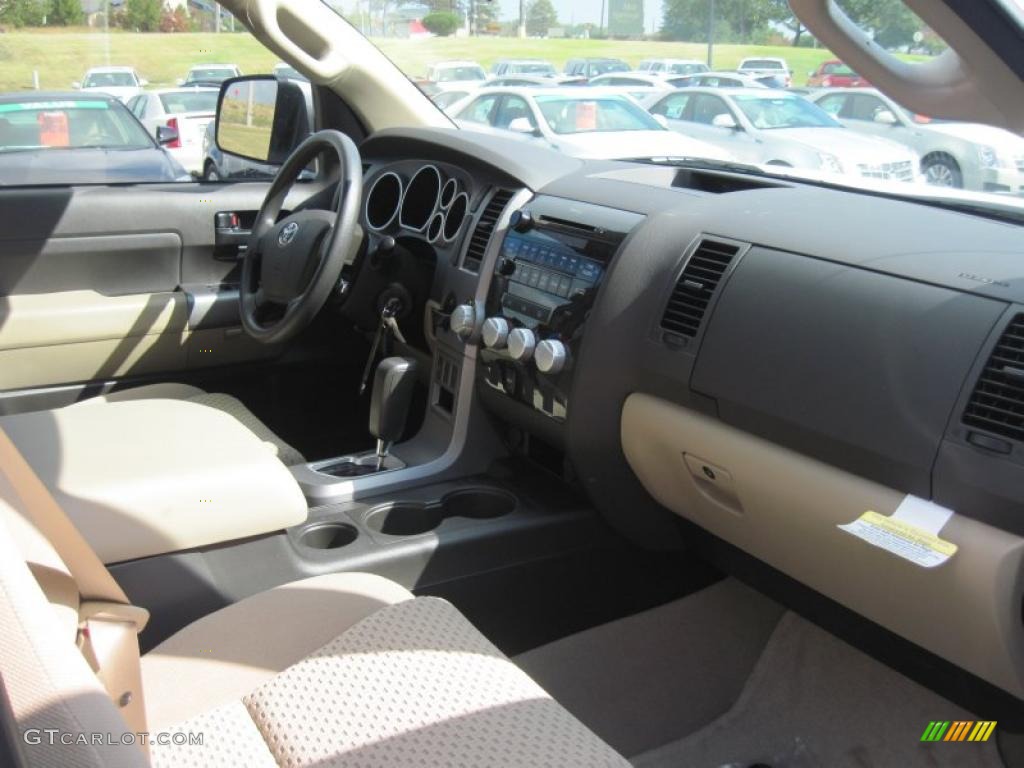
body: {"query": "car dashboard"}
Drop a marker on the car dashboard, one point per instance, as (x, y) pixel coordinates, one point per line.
(767, 360)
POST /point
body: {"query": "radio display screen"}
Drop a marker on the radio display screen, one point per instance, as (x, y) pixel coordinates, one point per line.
(549, 272)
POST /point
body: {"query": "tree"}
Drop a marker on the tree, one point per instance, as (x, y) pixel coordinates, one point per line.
(22, 13)
(441, 23)
(64, 13)
(485, 14)
(143, 15)
(540, 17)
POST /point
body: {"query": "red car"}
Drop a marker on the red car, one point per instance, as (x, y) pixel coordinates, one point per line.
(835, 74)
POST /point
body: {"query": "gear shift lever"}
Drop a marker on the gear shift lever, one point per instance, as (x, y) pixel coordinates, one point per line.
(393, 384)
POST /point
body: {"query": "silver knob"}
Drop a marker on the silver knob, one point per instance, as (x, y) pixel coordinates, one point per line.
(551, 356)
(521, 342)
(463, 321)
(495, 332)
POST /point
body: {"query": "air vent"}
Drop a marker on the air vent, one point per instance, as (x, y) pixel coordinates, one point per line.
(997, 403)
(484, 227)
(696, 286)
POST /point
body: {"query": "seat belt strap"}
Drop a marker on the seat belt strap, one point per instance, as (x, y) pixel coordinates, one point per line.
(108, 623)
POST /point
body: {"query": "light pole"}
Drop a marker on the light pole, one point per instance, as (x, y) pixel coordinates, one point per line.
(711, 31)
(522, 19)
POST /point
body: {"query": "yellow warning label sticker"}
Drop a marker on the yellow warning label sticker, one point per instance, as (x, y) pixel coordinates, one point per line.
(911, 542)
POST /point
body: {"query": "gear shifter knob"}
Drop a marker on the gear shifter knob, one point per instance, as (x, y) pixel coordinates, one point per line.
(393, 385)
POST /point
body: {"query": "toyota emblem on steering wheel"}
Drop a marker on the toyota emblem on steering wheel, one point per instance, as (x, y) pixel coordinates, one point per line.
(287, 233)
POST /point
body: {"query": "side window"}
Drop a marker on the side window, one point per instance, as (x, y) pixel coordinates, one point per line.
(137, 106)
(707, 107)
(513, 108)
(673, 107)
(834, 104)
(865, 108)
(481, 110)
(657, 66)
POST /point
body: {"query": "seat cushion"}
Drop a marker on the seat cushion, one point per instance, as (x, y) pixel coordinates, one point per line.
(227, 403)
(411, 684)
(230, 652)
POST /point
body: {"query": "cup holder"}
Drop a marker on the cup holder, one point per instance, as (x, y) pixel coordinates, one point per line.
(328, 536)
(412, 518)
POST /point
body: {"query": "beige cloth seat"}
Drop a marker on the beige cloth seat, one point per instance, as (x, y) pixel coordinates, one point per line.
(222, 402)
(335, 670)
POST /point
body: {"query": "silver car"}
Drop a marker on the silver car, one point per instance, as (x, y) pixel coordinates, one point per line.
(770, 127)
(953, 154)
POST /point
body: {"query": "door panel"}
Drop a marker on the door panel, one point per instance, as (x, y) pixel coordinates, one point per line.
(99, 283)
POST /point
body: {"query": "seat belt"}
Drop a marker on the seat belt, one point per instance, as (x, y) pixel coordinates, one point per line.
(108, 624)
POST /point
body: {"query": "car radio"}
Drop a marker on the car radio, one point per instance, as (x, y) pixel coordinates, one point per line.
(546, 280)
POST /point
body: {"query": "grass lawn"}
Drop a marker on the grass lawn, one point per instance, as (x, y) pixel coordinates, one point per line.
(62, 56)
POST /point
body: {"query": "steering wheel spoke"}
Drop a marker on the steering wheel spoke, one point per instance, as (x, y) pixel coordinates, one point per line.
(294, 263)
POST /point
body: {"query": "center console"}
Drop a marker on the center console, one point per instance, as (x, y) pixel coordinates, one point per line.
(552, 261)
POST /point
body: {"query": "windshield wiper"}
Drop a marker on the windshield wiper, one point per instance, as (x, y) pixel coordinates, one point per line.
(699, 163)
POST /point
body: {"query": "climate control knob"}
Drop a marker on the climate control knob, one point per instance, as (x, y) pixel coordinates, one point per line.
(463, 321)
(495, 332)
(551, 356)
(521, 343)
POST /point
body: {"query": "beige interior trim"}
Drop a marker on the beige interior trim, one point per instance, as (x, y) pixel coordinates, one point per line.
(144, 477)
(784, 508)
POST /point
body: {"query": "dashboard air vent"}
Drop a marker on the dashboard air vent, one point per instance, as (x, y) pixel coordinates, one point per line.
(696, 286)
(484, 227)
(997, 403)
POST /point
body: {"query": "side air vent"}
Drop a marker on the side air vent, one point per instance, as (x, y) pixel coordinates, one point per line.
(696, 287)
(484, 228)
(997, 403)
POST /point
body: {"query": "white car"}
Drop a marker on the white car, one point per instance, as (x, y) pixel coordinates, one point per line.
(671, 67)
(637, 84)
(583, 121)
(185, 110)
(209, 74)
(767, 66)
(120, 82)
(724, 80)
(456, 75)
(953, 154)
(771, 127)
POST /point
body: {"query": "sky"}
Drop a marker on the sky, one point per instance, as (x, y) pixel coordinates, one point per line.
(582, 11)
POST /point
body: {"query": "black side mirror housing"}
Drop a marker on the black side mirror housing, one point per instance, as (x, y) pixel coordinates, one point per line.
(165, 135)
(263, 118)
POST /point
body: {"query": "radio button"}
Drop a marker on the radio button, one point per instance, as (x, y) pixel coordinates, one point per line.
(551, 356)
(495, 332)
(521, 343)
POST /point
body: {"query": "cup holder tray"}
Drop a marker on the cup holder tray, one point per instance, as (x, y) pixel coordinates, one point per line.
(410, 518)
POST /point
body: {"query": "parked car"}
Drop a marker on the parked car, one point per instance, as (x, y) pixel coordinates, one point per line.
(953, 154)
(120, 82)
(590, 68)
(209, 74)
(582, 122)
(767, 66)
(774, 128)
(456, 75)
(636, 84)
(185, 110)
(523, 67)
(283, 69)
(80, 139)
(670, 67)
(725, 80)
(834, 74)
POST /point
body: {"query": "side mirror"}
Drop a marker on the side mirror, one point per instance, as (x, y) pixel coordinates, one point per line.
(262, 118)
(143, 82)
(661, 120)
(76, 85)
(180, 81)
(522, 125)
(166, 135)
(885, 117)
(724, 121)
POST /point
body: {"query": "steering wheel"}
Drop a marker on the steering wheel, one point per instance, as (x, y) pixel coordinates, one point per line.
(292, 265)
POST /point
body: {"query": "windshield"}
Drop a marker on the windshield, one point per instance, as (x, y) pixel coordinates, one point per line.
(534, 68)
(110, 80)
(68, 124)
(582, 114)
(769, 113)
(762, 64)
(177, 102)
(456, 74)
(211, 74)
(603, 67)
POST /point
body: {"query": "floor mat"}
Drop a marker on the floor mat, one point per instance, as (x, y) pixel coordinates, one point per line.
(814, 701)
(641, 681)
